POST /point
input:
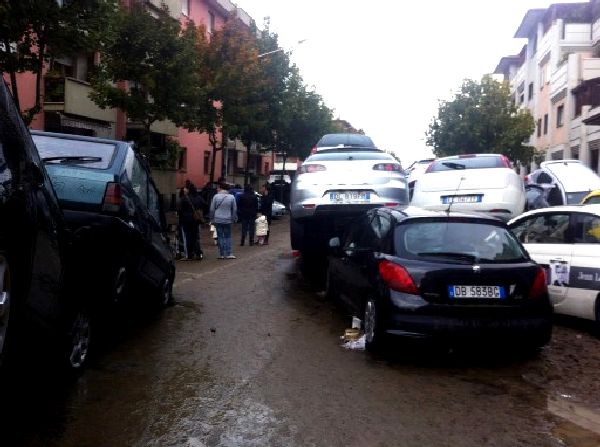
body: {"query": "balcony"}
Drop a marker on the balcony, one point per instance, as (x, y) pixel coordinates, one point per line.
(577, 37)
(71, 96)
(590, 68)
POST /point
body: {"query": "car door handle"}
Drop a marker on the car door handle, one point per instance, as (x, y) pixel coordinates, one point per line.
(558, 259)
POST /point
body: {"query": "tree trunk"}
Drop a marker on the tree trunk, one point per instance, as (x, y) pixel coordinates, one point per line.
(212, 138)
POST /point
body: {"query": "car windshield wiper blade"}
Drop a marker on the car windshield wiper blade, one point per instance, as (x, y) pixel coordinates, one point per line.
(450, 254)
(72, 159)
(452, 165)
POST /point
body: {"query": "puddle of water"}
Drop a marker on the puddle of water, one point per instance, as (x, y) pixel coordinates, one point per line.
(579, 424)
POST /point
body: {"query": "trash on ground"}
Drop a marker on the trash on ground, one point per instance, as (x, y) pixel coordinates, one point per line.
(357, 345)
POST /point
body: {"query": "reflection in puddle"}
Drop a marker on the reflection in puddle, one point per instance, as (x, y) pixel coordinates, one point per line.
(580, 423)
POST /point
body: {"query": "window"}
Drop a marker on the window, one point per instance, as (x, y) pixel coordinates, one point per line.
(522, 98)
(539, 127)
(560, 110)
(185, 7)
(266, 167)
(182, 162)
(543, 229)
(93, 155)
(206, 162)
(154, 203)
(545, 124)
(530, 92)
(211, 22)
(139, 182)
(586, 229)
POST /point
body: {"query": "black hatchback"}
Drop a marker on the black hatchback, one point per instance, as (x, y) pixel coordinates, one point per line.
(416, 273)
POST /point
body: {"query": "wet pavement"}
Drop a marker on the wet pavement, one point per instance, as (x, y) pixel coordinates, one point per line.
(251, 356)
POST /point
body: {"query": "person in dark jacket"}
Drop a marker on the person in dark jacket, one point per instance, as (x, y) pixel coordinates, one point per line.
(266, 207)
(190, 201)
(247, 209)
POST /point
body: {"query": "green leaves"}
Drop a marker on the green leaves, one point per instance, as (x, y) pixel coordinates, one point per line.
(481, 119)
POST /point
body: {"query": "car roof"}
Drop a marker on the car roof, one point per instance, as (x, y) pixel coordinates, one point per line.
(402, 213)
(69, 136)
(458, 156)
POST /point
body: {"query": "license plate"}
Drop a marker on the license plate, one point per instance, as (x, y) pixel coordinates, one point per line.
(496, 292)
(461, 199)
(350, 197)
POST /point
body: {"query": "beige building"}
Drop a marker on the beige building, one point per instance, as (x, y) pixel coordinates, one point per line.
(557, 76)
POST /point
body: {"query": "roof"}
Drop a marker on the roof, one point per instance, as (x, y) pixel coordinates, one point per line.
(529, 22)
(78, 137)
(506, 62)
(592, 208)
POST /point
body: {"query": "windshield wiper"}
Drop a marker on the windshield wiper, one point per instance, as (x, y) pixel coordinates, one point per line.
(451, 255)
(72, 159)
(452, 165)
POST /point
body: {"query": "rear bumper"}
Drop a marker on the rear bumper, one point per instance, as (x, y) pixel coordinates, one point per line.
(527, 324)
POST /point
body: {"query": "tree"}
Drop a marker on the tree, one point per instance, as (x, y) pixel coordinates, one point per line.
(481, 119)
(33, 32)
(156, 60)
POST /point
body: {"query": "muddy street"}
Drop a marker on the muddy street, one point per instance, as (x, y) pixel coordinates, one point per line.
(251, 355)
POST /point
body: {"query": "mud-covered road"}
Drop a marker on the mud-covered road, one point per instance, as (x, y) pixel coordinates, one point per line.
(251, 356)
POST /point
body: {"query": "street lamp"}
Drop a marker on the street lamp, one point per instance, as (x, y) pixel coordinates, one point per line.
(278, 50)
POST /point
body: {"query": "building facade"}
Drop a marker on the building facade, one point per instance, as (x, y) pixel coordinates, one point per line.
(555, 76)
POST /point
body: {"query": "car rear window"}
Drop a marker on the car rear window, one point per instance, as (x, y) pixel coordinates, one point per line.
(478, 162)
(356, 140)
(457, 241)
(80, 153)
(333, 156)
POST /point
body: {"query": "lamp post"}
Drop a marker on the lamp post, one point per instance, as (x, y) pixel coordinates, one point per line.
(278, 50)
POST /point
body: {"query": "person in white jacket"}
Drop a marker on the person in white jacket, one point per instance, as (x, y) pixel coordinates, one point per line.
(261, 229)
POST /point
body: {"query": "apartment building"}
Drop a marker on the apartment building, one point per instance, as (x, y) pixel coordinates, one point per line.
(555, 76)
(68, 109)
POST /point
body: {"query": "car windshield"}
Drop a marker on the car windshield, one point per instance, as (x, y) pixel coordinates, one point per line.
(478, 162)
(344, 155)
(80, 153)
(356, 140)
(574, 198)
(457, 241)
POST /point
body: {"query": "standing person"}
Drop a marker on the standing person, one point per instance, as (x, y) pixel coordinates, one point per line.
(247, 209)
(262, 229)
(223, 213)
(266, 208)
(188, 224)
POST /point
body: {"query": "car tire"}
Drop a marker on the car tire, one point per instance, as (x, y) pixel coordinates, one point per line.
(78, 340)
(6, 317)
(330, 290)
(296, 234)
(164, 292)
(375, 336)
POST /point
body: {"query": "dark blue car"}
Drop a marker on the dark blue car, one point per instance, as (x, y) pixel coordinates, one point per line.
(109, 198)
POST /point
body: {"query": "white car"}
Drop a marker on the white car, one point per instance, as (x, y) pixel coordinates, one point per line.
(565, 240)
(475, 182)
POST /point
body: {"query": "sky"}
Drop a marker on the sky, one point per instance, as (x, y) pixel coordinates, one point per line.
(383, 65)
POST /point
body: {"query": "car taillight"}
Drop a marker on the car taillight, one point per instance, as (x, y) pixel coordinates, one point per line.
(397, 278)
(391, 167)
(505, 161)
(307, 169)
(112, 197)
(539, 287)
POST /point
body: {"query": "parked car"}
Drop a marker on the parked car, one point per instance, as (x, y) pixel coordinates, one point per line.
(474, 182)
(415, 171)
(341, 140)
(571, 180)
(110, 200)
(42, 295)
(278, 209)
(424, 274)
(565, 240)
(592, 198)
(334, 185)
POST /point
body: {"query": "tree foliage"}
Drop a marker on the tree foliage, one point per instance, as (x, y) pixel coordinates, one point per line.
(33, 32)
(156, 61)
(481, 119)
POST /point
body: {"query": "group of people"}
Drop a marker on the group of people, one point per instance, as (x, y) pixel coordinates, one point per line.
(255, 216)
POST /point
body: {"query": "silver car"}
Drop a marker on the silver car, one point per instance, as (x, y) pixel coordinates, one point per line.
(334, 185)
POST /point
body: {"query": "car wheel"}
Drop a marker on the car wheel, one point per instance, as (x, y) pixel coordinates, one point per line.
(78, 340)
(5, 304)
(165, 292)
(374, 332)
(330, 291)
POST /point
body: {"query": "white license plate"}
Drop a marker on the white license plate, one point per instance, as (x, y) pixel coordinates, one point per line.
(350, 197)
(461, 199)
(476, 292)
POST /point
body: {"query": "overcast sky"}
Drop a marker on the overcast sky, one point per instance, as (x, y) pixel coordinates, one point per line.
(382, 65)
